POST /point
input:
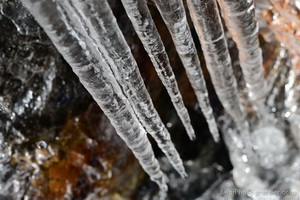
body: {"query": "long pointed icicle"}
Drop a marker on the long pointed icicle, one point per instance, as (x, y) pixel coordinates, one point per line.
(100, 83)
(144, 26)
(207, 22)
(174, 16)
(240, 20)
(110, 42)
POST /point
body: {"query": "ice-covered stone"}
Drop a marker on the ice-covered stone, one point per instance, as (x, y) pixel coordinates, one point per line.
(271, 145)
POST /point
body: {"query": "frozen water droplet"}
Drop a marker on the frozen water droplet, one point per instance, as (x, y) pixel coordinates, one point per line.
(169, 124)
(244, 158)
(42, 145)
(287, 114)
(247, 170)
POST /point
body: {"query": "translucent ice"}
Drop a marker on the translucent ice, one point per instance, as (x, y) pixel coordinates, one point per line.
(271, 146)
(143, 24)
(292, 93)
(206, 19)
(174, 16)
(105, 35)
(240, 21)
(100, 83)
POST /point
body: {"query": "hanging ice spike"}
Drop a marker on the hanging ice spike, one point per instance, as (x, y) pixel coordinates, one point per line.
(207, 22)
(99, 82)
(141, 19)
(109, 40)
(240, 21)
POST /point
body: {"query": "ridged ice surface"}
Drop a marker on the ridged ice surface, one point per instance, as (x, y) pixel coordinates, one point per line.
(144, 26)
(107, 37)
(207, 22)
(174, 16)
(99, 82)
(292, 102)
(265, 162)
(240, 21)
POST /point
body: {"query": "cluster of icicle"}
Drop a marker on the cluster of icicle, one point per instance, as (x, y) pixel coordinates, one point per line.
(86, 33)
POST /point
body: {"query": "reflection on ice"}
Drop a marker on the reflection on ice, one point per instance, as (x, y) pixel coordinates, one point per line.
(262, 139)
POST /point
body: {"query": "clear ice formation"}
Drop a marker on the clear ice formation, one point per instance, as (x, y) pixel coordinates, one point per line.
(87, 35)
(144, 26)
(206, 19)
(270, 155)
(292, 103)
(174, 16)
(98, 81)
(240, 20)
(109, 41)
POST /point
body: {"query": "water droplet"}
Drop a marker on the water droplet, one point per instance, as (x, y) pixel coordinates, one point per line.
(247, 170)
(244, 158)
(169, 124)
(287, 114)
(42, 144)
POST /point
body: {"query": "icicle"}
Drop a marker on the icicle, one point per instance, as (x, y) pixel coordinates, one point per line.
(99, 82)
(292, 101)
(209, 28)
(143, 24)
(103, 29)
(140, 16)
(240, 21)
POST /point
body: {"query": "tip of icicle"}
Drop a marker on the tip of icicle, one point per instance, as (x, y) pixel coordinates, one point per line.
(162, 195)
(215, 134)
(216, 138)
(190, 132)
(163, 187)
(183, 175)
(192, 135)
